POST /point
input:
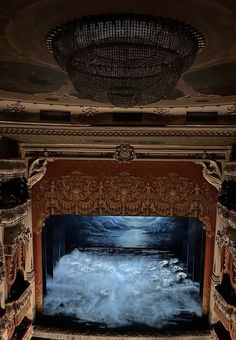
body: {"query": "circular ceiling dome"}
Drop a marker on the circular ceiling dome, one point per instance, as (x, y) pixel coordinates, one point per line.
(124, 59)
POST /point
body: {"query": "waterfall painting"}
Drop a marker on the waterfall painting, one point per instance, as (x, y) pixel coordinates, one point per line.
(127, 272)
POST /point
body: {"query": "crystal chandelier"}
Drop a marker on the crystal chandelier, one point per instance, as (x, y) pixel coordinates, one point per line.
(124, 59)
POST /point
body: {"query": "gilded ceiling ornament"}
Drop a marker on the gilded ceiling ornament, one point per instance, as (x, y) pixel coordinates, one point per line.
(124, 153)
(89, 111)
(162, 113)
(230, 115)
(15, 108)
(231, 110)
(15, 112)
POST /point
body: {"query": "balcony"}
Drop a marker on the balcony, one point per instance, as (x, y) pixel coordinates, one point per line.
(15, 215)
(23, 331)
(13, 237)
(228, 216)
(20, 305)
(226, 313)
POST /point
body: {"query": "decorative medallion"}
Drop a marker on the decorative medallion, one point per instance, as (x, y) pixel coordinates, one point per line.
(124, 153)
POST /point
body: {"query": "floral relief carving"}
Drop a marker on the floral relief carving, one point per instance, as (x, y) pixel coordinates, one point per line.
(124, 194)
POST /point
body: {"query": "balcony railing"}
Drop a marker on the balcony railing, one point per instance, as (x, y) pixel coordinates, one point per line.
(225, 312)
(14, 215)
(20, 306)
(229, 216)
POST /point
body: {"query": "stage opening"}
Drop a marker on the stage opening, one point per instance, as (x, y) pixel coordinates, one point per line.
(123, 274)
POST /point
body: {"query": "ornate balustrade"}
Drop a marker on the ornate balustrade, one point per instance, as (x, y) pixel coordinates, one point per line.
(226, 313)
(21, 235)
(228, 216)
(20, 306)
(225, 238)
(10, 217)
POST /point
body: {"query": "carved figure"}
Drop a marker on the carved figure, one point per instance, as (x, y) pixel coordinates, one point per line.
(36, 171)
(212, 173)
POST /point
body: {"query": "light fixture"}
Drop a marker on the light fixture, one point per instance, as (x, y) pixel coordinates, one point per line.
(124, 59)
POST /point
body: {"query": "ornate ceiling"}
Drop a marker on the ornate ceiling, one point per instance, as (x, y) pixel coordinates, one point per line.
(29, 72)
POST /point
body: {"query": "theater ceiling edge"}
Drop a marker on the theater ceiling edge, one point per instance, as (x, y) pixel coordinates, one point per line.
(29, 73)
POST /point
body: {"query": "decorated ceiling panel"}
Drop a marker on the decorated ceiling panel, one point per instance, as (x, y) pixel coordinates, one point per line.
(29, 71)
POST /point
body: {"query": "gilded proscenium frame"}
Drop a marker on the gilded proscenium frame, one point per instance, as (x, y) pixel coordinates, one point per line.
(124, 194)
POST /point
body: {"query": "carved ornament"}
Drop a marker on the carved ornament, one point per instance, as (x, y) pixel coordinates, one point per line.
(228, 311)
(23, 236)
(14, 260)
(124, 194)
(19, 305)
(212, 173)
(124, 153)
(228, 216)
(15, 215)
(223, 240)
(11, 169)
(90, 111)
(11, 267)
(37, 170)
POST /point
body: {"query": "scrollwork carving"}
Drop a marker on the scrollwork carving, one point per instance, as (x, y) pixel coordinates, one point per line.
(37, 170)
(124, 194)
(212, 173)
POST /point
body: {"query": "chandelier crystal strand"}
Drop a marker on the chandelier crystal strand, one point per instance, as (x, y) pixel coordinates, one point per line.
(124, 59)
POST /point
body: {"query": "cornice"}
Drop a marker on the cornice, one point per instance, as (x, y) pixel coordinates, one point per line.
(82, 131)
